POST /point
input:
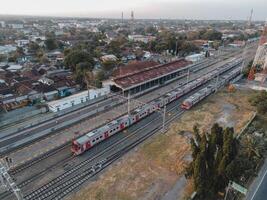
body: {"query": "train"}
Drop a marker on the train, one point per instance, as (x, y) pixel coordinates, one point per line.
(200, 95)
(87, 141)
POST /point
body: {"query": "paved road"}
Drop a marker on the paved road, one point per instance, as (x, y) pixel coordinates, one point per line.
(258, 189)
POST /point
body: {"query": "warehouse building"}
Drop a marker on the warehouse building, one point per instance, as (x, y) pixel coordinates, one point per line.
(76, 99)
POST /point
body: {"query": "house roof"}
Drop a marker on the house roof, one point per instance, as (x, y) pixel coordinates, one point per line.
(133, 68)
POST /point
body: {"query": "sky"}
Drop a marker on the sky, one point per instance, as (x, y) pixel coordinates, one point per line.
(167, 9)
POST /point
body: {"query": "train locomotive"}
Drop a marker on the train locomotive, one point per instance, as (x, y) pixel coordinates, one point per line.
(94, 137)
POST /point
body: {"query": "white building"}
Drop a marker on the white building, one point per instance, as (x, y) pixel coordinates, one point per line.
(195, 57)
(22, 43)
(109, 58)
(17, 26)
(14, 67)
(3, 24)
(141, 38)
(46, 81)
(7, 49)
(76, 99)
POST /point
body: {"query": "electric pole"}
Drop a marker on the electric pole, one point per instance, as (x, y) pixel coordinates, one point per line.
(164, 118)
(128, 103)
(217, 81)
(6, 180)
(188, 76)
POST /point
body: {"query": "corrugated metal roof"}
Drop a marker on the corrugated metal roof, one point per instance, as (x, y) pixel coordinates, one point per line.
(150, 73)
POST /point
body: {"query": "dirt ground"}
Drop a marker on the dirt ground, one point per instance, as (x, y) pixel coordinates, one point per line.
(153, 169)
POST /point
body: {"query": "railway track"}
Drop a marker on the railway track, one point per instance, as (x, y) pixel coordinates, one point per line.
(81, 170)
(53, 152)
(27, 165)
(61, 186)
(206, 63)
(64, 175)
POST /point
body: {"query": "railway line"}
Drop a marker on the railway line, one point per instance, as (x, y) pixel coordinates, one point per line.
(63, 185)
(95, 165)
(75, 173)
(9, 142)
(113, 145)
(63, 188)
(29, 164)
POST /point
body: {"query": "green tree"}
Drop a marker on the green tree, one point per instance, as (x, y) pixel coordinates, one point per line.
(51, 44)
(109, 66)
(33, 46)
(260, 101)
(212, 153)
(75, 57)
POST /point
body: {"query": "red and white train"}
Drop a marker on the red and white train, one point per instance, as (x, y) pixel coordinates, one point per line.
(94, 137)
(200, 95)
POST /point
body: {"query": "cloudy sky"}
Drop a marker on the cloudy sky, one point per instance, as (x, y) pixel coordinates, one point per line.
(175, 9)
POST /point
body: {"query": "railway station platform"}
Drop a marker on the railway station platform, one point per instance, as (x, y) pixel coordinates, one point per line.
(140, 77)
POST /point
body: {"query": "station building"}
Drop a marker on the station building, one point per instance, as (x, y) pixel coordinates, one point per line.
(141, 77)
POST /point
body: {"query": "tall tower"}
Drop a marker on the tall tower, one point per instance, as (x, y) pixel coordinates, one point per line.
(132, 22)
(132, 16)
(122, 20)
(250, 18)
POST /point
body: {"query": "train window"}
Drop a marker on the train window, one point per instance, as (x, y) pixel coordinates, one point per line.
(93, 140)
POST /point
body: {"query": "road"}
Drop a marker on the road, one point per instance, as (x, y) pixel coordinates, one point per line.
(258, 189)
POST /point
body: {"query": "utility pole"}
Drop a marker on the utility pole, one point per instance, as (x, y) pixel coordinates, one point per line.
(164, 119)
(6, 180)
(227, 191)
(217, 81)
(163, 114)
(129, 105)
(244, 57)
(188, 76)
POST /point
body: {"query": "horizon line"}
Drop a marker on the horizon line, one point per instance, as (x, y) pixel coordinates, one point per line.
(117, 18)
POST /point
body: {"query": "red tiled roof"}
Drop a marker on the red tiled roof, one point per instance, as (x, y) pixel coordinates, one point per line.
(149, 73)
(133, 68)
